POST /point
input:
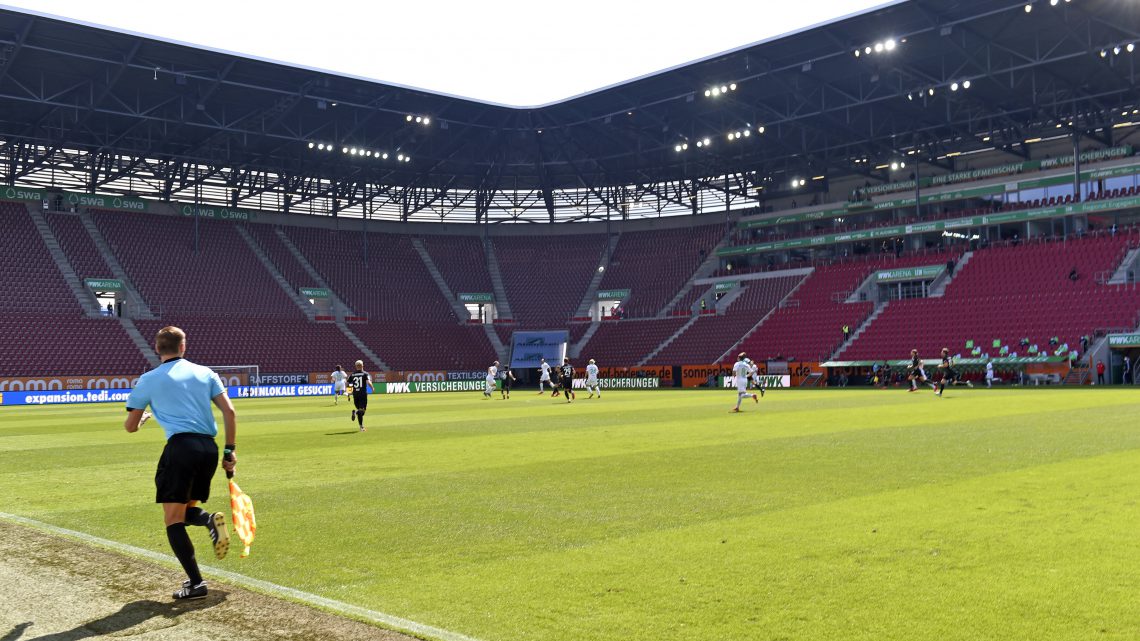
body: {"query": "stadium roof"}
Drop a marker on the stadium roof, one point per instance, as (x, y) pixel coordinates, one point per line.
(113, 105)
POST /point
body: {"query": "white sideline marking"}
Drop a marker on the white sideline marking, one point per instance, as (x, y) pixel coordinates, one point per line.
(391, 621)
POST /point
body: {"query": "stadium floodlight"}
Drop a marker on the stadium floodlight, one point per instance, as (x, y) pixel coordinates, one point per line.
(1028, 7)
(707, 141)
(700, 144)
(867, 50)
(889, 45)
(1131, 47)
(384, 155)
(954, 86)
(427, 121)
(910, 97)
(760, 129)
(320, 147)
(802, 182)
(677, 148)
(311, 145)
(747, 133)
(795, 183)
(965, 84)
(902, 165)
(723, 89)
(894, 166)
(732, 86)
(1103, 53)
(345, 150)
(878, 47)
(419, 118)
(1116, 51)
(685, 146)
(731, 136)
(408, 117)
(368, 153)
(400, 157)
(708, 93)
(857, 52)
(1053, 3)
(930, 91)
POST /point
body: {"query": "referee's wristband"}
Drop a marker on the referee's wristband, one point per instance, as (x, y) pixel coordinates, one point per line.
(230, 449)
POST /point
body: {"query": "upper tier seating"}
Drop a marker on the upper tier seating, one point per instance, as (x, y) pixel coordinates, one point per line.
(77, 245)
(291, 270)
(654, 265)
(392, 284)
(223, 278)
(461, 261)
(29, 277)
(546, 278)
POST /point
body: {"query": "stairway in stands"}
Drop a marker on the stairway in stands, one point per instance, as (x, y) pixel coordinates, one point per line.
(82, 295)
(139, 306)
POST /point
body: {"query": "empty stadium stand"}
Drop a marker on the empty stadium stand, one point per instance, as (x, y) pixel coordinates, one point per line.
(1007, 294)
(654, 265)
(546, 278)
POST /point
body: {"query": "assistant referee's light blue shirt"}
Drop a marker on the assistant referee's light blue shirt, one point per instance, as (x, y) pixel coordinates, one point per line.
(180, 395)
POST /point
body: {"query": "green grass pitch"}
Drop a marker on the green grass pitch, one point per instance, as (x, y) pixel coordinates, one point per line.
(815, 515)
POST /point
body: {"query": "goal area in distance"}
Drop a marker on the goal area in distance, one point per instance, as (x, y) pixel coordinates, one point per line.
(238, 374)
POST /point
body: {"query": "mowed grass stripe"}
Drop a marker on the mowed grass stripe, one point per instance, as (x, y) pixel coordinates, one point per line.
(1045, 552)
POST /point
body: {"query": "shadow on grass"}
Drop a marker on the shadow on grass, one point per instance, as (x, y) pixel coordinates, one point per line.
(342, 433)
(127, 617)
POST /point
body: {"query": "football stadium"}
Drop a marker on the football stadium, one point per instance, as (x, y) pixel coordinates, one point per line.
(829, 336)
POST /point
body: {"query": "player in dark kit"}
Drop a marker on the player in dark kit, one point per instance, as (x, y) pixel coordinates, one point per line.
(917, 373)
(508, 379)
(567, 375)
(361, 383)
(949, 374)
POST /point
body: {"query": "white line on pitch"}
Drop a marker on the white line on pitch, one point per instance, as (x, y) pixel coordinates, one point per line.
(389, 620)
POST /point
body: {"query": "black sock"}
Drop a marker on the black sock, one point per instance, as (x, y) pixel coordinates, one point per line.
(360, 417)
(196, 516)
(184, 550)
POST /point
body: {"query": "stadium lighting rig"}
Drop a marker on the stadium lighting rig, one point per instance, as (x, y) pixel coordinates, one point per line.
(422, 120)
(883, 46)
(1117, 50)
(713, 92)
(359, 152)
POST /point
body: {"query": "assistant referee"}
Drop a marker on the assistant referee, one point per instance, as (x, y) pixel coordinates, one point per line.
(179, 394)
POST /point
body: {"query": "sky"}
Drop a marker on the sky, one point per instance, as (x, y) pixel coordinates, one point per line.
(512, 52)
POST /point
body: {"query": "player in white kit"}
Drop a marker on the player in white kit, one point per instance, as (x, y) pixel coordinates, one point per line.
(338, 379)
(544, 376)
(754, 374)
(491, 371)
(592, 379)
(740, 372)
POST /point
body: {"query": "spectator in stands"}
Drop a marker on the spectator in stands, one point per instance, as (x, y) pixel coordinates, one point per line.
(950, 268)
(110, 310)
(1073, 275)
(1024, 342)
(1126, 372)
(1100, 372)
(846, 333)
(1084, 343)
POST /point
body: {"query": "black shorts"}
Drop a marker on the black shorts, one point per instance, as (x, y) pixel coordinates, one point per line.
(950, 375)
(507, 384)
(185, 469)
(360, 399)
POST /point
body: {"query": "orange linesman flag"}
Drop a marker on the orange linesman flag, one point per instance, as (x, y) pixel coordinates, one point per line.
(245, 525)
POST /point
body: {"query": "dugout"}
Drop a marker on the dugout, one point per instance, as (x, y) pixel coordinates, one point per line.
(1119, 346)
